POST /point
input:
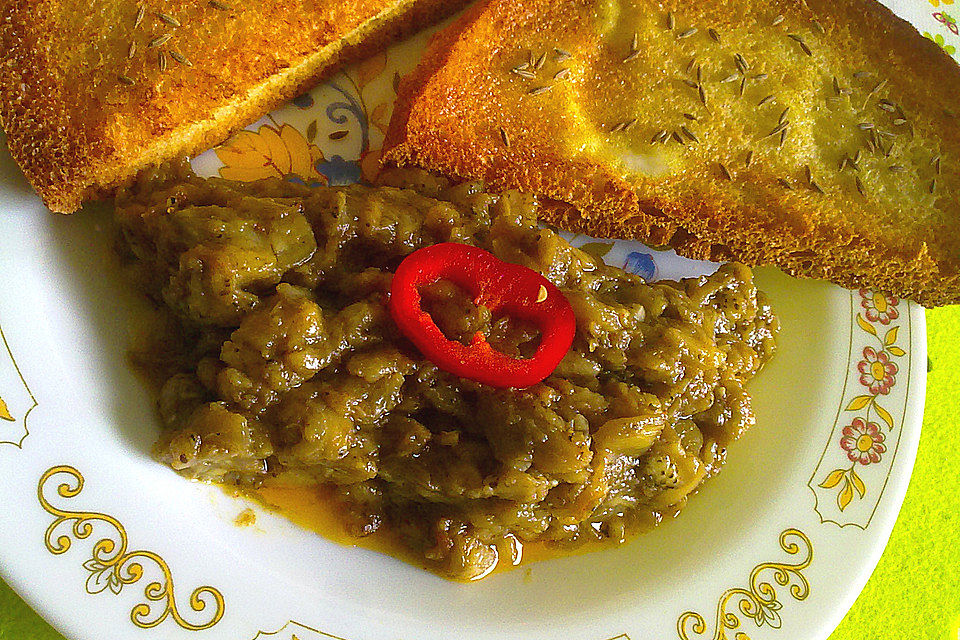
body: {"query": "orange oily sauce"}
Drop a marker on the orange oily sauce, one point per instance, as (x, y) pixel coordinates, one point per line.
(314, 508)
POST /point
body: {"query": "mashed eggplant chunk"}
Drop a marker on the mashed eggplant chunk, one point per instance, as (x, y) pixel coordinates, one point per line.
(281, 365)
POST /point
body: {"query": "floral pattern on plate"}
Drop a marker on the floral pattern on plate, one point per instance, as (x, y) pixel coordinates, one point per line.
(332, 135)
(16, 400)
(856, 462)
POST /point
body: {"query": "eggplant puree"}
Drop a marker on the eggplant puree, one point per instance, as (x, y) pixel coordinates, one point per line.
(282, 365)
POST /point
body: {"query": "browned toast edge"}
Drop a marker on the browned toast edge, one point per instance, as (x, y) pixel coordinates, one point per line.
(67, 169)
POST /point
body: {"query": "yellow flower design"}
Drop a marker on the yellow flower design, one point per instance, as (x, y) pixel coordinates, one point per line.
(380, 116)
(5, 412)
(937, 3)
(370, 165)
(270, 152)
(371, 68)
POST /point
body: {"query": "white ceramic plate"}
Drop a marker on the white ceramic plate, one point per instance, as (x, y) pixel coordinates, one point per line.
(105, 542)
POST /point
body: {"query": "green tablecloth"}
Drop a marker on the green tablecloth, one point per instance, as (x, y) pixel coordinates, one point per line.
(914, 592)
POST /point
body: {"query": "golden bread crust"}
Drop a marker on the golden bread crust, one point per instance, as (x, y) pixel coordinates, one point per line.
(860, 185)
(83, 112)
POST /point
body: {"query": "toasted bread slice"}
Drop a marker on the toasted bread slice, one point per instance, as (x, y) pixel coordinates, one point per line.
(816, 135)
(92, 92)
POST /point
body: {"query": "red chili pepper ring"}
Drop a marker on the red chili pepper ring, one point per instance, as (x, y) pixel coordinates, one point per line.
(501, 287)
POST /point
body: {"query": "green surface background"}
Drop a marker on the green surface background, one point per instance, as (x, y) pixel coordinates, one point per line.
(914, 592)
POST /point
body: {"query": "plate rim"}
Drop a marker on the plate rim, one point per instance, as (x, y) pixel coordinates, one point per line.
(894, 494)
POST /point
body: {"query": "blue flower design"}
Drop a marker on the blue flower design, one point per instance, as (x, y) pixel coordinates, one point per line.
(340, 171)
(641, 264)
(294, 178)
(304, 101)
